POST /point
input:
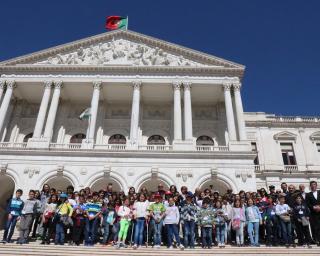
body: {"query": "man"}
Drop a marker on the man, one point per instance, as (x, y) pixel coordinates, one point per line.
(291, 195)
(284, 187)
(302, 191)
(14, 210)
(272, 192)
(313, 202)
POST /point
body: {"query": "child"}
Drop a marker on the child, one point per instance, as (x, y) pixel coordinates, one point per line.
(283, 211)
(220, 223)
(301, 215)
(29, 209)
(93, 213)
(14, 210)
(47, 216)
(237, 221)
(157, 211)
(188, 215)
(206, 221)
(171, 221)
(108, 218)
(254, 219)
(79, 220)
(271, 222)
(140, 215)
(125, 215)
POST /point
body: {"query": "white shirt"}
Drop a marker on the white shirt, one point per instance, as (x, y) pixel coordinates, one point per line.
(315, 194)
(140, 209)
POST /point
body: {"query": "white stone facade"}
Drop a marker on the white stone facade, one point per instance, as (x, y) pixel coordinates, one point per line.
(137, 87)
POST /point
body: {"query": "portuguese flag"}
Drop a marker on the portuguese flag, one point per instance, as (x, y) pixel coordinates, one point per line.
(116, 22)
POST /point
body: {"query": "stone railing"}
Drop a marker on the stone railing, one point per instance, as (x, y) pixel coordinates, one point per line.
(290, 168)
(212, 148)
(71, 146)
(21, 145)
(155, 147)
(293, 119)
(115, 147)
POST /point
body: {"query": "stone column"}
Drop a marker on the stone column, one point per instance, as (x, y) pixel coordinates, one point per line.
(6, 102)
(94, 109)
(188, 135)
(42, 110)
(229, 112)
(135, 112)
(239, 112)
(53, 110)
(177, 111)
(2, 86)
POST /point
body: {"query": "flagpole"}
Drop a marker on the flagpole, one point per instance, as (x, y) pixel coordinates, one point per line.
(127, 23)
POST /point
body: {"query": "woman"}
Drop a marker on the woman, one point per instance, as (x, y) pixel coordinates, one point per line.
(48, 213)
(140, 214)
(220, 223)
(131, 191)
(254, 219)
(36, 218)
(144, 191)
(237, 221)
(173, 189)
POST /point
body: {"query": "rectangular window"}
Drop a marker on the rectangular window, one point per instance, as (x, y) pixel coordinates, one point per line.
(318, 147)
(288, 154)
(254, 149)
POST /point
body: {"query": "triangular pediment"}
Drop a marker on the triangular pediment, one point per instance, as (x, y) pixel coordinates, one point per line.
(121, 48)
(285, 136)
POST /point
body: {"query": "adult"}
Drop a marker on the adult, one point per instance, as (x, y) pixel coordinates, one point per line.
(313, 202)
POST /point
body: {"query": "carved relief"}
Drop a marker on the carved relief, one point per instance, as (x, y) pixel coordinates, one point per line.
(31, 171)
(120, 52)
(184, 174)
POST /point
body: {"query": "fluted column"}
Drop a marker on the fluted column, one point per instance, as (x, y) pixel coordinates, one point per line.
(135, 112)
(94, 109)
(188, 135)
(6, 102)
(229, 112)
(239, 112)
(177, 111)
(42, 110)
(2, 86)
(53, 110)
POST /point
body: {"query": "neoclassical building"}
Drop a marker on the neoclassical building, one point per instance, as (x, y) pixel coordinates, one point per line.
(160, 112)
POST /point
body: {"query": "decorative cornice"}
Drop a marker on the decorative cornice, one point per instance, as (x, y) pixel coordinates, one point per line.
(227, 86)
(186, 85)
(11, 84)
(48, 84)
(236, 86)
(136, 85)
(176, 85)
(58, 84)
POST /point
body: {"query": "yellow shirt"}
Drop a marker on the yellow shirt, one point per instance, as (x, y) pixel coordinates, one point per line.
(65, 209)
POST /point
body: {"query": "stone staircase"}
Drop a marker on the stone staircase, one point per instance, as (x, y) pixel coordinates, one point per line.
(35, 249)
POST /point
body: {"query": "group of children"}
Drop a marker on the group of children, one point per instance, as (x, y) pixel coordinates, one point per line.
(175, 219)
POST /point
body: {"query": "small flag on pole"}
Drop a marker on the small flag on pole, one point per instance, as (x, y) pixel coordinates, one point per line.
(116, 22)
(85, 115)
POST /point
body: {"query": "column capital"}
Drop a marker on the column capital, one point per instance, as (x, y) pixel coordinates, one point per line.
(136, 85)
(227, 86)
(237, 86)
(176, 85)
(2, 84)
(11, 84)
(187, 85)
(97, 85)
(47, 84)
(58, 84)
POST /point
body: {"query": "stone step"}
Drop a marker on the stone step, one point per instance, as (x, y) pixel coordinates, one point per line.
(35, 249)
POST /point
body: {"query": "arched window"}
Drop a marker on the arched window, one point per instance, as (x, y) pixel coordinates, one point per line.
(117, 139)
(77, 138)
(156, 140)
(205, 140)
(27, 137)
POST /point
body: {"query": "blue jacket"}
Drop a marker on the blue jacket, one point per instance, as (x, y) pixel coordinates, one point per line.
(256, 212)
(15, 206)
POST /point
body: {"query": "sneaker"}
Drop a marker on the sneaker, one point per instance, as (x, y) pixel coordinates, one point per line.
(219, 245)
(118, 246)
(157, 246)
(3, 241)
(223, 245)
(170, 247)
(135, 247)
(309, 246)
(181, 247)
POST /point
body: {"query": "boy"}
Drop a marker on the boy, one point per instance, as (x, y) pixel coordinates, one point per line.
(206, 220)
(157, 211)
(29, 209)
(14, 209)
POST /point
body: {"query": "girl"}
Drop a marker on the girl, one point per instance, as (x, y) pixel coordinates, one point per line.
(220, 221)
(140, 215)
(237, 221)
(48, 227)
(125, 215)
(283, 211)
(254, 219)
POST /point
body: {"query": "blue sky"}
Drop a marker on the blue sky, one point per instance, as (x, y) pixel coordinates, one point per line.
(277, 41)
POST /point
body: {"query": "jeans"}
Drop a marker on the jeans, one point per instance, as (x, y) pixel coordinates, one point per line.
(172, 230)
(59, 239)
(189, 233)
(253, 227)
(239, 234)
(206, 233)
(78, 230)
(272, 231)
(138, 232)
(157, 232)
(286, 231)
(91, 230)
(106, 229)
(220, 233)
(10, 225)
